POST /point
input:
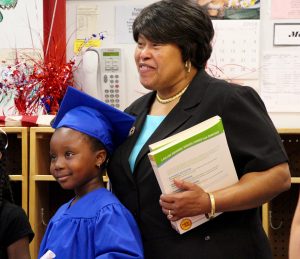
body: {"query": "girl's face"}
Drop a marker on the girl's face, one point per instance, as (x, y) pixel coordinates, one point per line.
(160, 66)
(73, 162)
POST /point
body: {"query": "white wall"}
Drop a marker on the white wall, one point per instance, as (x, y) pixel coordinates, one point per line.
(107, 24)
(280, 119)
(21, 28)
(134, 89)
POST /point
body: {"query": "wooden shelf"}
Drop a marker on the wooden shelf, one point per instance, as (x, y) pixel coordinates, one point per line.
(43, 178)
(296, 180)
(16, 177)
(288, 131)
(277, 215)
(39, 184)
(45, 194)
(17, 152)
(42, 184)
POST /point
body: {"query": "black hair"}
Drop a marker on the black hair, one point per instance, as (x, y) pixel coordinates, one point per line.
(181, 22)
(97, 145)
(5, 187)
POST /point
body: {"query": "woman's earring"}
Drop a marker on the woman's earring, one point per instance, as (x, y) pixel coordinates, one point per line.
(188, 65)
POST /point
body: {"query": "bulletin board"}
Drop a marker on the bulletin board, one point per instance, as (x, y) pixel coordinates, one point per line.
(279, 58)
(262, 53)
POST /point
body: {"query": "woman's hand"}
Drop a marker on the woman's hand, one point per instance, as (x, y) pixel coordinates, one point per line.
(191, 201)
(252, 190)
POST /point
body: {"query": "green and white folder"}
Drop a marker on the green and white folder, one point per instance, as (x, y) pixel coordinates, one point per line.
(200, 155)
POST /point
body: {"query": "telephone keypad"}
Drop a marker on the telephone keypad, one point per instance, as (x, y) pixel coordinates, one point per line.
(113, 78)
(112, 92)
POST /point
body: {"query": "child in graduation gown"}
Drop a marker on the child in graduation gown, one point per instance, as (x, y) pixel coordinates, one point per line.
(94, 224)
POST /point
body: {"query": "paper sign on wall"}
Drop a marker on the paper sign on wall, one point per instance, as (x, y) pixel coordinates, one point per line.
(286, 34)
(125, 16)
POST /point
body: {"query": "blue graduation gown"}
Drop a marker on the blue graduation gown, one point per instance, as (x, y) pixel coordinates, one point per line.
(96, 226)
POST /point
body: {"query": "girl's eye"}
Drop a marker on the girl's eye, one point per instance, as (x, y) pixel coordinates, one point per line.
(69, 154)
(52, 157)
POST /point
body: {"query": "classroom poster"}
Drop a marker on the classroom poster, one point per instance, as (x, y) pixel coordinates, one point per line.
(232, 9)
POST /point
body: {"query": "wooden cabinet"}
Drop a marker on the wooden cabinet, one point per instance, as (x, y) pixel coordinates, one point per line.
(17, 163)
(278, 213)
(45, 194)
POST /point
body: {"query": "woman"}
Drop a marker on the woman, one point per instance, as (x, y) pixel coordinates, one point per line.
(294, 245)
(173, 45)
(15, 229)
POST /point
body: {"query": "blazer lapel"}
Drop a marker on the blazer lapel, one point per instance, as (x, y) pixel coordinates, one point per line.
(140, 113)
(181, 113)
(173, 121)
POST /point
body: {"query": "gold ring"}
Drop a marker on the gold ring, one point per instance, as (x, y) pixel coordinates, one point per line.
(169, 214)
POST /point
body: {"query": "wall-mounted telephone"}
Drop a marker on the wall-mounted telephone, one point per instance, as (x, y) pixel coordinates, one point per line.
(102, 75)
(112, 77)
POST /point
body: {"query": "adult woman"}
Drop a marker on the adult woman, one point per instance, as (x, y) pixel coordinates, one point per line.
(294, 244)
(173, 45)
(15, 229)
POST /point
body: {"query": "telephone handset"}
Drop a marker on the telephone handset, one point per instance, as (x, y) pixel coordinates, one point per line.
(103, 75)
(90, 73)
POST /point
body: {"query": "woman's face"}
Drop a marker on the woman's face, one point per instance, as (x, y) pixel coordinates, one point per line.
(160, 66)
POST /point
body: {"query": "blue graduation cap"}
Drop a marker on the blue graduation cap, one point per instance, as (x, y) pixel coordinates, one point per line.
(93, 117)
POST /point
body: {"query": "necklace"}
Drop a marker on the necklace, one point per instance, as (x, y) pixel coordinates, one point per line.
(171, 99)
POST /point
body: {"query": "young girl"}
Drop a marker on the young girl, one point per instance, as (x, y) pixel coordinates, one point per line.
(94, 224)
(15, 230)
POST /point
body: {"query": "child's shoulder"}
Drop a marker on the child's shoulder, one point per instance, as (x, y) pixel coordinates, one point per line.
(11, 210)
(90, 205)
(100, 199)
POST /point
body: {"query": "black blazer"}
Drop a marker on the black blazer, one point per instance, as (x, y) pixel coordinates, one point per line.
(254, 145)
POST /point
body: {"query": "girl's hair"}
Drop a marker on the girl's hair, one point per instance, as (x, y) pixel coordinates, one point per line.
(180, 22)
(5, 187)
(97, 145)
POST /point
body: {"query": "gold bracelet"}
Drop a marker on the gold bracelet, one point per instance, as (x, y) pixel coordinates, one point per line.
(211, 215)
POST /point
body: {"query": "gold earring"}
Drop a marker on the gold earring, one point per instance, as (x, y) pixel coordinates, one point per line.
(188, 65)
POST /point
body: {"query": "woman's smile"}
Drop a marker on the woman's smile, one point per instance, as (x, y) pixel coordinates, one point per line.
(143, 68)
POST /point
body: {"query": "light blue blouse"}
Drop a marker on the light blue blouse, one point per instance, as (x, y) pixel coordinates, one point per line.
(150, 125)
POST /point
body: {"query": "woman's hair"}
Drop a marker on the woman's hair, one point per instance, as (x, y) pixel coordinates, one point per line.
(5, 187)
(180, 22)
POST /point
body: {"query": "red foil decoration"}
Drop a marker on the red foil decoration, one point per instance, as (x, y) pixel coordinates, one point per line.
(46, 87)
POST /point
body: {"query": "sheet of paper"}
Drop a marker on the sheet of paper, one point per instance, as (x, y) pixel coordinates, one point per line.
(211, 169)
(125, 16)
(287, 9)
(280, 88)
(87, 21)
(22, 27)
